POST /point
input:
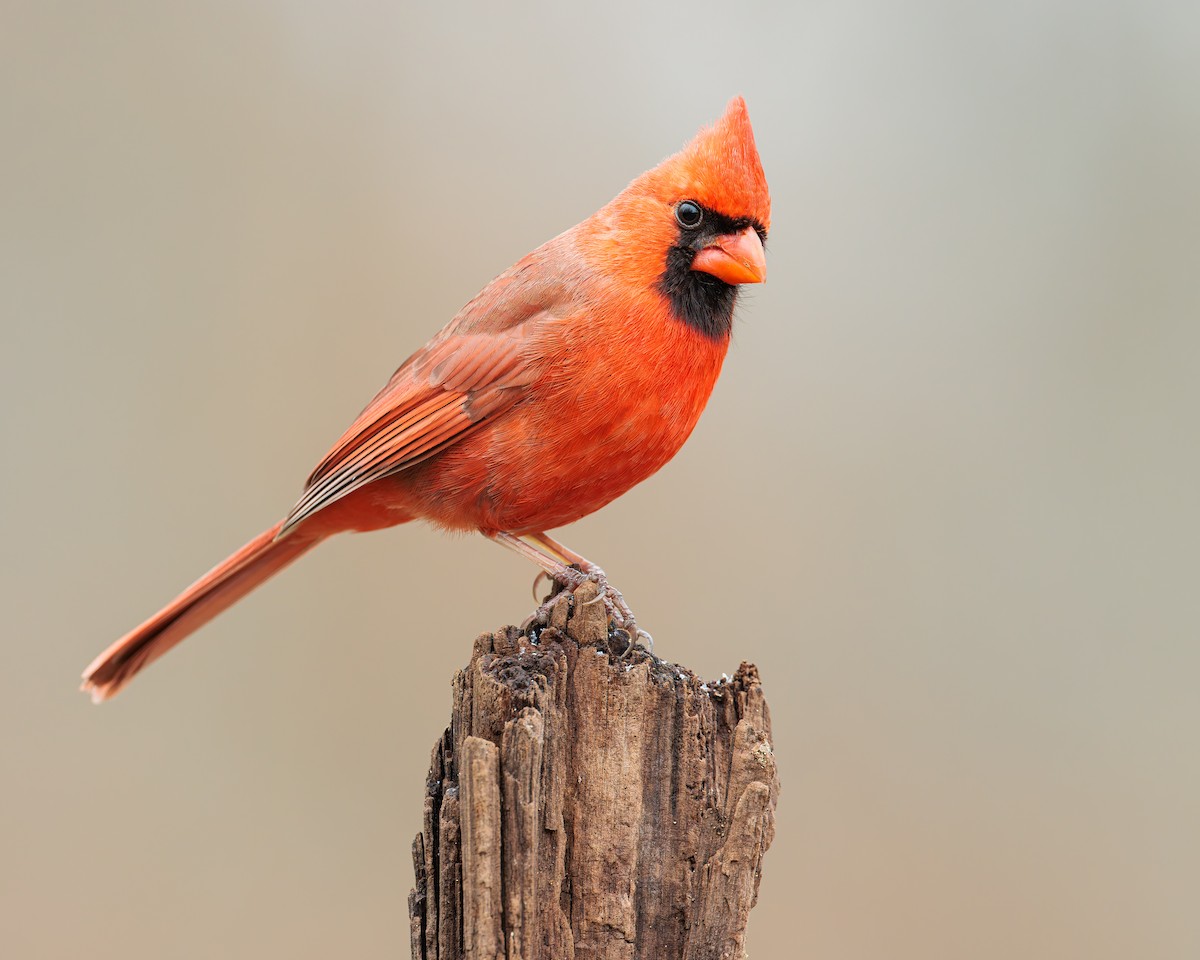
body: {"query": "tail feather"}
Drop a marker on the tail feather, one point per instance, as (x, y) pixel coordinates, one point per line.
(221, 587)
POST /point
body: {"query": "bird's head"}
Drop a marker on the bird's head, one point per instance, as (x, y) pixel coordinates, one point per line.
(694, 226)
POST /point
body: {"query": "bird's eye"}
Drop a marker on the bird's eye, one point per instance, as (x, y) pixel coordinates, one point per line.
(689, 214)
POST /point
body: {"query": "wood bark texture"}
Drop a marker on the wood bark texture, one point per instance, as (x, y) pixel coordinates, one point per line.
(588, 806)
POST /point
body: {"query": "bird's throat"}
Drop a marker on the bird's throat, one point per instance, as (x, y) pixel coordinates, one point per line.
(700, 300)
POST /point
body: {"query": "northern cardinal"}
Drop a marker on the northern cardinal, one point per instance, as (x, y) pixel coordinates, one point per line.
(575, 374)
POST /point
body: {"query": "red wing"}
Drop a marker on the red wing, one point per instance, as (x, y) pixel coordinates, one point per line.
(477, 367)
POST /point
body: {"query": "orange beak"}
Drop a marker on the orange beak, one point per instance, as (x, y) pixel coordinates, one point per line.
(735, 258)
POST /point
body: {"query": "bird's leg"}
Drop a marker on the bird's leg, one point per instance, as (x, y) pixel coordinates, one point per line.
(563, 552)
(614, 602)
(558, 562)
(554, 566)
(610, 596)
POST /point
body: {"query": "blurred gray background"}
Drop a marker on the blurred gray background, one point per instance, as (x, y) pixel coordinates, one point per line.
(945, 494)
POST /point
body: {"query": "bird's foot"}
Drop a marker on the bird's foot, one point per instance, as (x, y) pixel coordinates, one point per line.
(619, 613)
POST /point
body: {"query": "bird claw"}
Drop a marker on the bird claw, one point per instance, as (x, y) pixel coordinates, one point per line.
(631, 640)
(618, 611)
(542, 575)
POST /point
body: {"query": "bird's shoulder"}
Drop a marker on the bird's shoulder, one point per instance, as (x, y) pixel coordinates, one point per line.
(500, 336)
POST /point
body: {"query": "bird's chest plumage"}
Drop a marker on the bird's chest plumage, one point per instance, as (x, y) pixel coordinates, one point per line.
(618, 397)
(622, 407)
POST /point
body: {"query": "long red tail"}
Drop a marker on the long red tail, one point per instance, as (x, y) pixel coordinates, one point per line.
(221, 587)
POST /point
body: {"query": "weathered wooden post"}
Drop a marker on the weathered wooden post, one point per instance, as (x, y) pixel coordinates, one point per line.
(585, 806)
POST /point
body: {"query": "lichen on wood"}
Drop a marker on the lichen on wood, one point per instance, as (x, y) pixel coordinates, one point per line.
(589, 805)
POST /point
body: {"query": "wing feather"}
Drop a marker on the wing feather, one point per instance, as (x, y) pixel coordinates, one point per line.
(481, 364)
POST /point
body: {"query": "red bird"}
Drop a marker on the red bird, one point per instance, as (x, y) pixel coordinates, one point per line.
(575, 374)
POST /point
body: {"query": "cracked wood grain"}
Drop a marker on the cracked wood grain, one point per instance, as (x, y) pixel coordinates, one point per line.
(584, 806)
